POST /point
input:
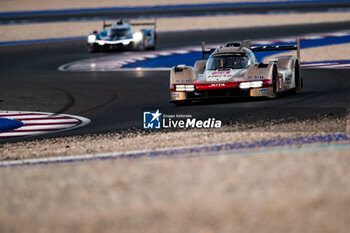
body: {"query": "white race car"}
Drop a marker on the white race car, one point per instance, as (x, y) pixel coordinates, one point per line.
(233, 70)
(123, 34)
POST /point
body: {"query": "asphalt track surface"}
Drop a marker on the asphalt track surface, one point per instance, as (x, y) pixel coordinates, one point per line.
(114, 101)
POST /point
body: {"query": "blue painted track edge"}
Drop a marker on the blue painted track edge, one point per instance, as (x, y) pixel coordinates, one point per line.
(318, 142)
(9, 124)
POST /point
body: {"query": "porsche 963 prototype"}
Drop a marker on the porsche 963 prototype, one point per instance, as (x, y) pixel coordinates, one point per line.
(233, 70)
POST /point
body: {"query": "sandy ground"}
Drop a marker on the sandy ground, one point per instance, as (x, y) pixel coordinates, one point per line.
(71, 29)
(301, 191)
(323, 53)
(23, 5)
(141, 140)
(118, 142)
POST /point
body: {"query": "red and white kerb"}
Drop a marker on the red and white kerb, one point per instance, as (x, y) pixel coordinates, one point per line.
(36, 123)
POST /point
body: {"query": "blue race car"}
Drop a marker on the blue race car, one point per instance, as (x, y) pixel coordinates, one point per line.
(121, 35)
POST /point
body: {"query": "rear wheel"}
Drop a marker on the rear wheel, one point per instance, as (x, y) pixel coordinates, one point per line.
(296, 78)
(274, 83)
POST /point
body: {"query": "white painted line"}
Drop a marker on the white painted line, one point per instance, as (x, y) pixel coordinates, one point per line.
(146, 69)
(61, 121)
(151, 56)
(25, 116)
(318, 64)
(313, 37)
(35, 127)
(10, 113)
(139, 58)
(341, 66)
(21, 134)
(182, 51)
(259, 42)
(287, 40)
(130, 60)
(339, 34)
(165, 53)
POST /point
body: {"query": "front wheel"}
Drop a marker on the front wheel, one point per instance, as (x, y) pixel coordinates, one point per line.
(140, 46)
(297, 78)
(153, 47)
(93, 48)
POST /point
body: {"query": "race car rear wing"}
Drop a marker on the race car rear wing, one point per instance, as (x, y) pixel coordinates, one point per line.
(247, 44)
(145, 24)
(154, 24)
(279, 48)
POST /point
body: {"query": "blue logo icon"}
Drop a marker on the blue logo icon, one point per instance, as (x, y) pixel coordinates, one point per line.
(264, 91)
(152, 120)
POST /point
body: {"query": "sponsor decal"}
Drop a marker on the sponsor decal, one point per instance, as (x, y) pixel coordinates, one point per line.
(255, 77)
(175, 95)
(288, 79)
(182, 81)
(158, 120)
(220, 74)
(264, 91)
(218, 85)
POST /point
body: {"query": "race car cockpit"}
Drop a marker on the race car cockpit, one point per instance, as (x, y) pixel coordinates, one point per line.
(119, 32)
(228, 61)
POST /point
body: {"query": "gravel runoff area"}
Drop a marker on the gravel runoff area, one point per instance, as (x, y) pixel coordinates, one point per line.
(292, 191)
(23, 5)
(145, 140)
(73, 29)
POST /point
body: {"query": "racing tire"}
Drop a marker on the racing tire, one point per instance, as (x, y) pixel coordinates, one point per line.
(297, 78)
(93, 48)
(154, 43)
(140, 46)
(274, 83)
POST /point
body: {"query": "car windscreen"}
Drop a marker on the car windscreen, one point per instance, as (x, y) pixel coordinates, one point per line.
(119, 32)
(228, 61)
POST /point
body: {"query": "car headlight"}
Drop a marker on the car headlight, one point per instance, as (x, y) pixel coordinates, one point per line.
(138, 36)
(91, 38)
(246, 85)
(184, 87)
(257, 83)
